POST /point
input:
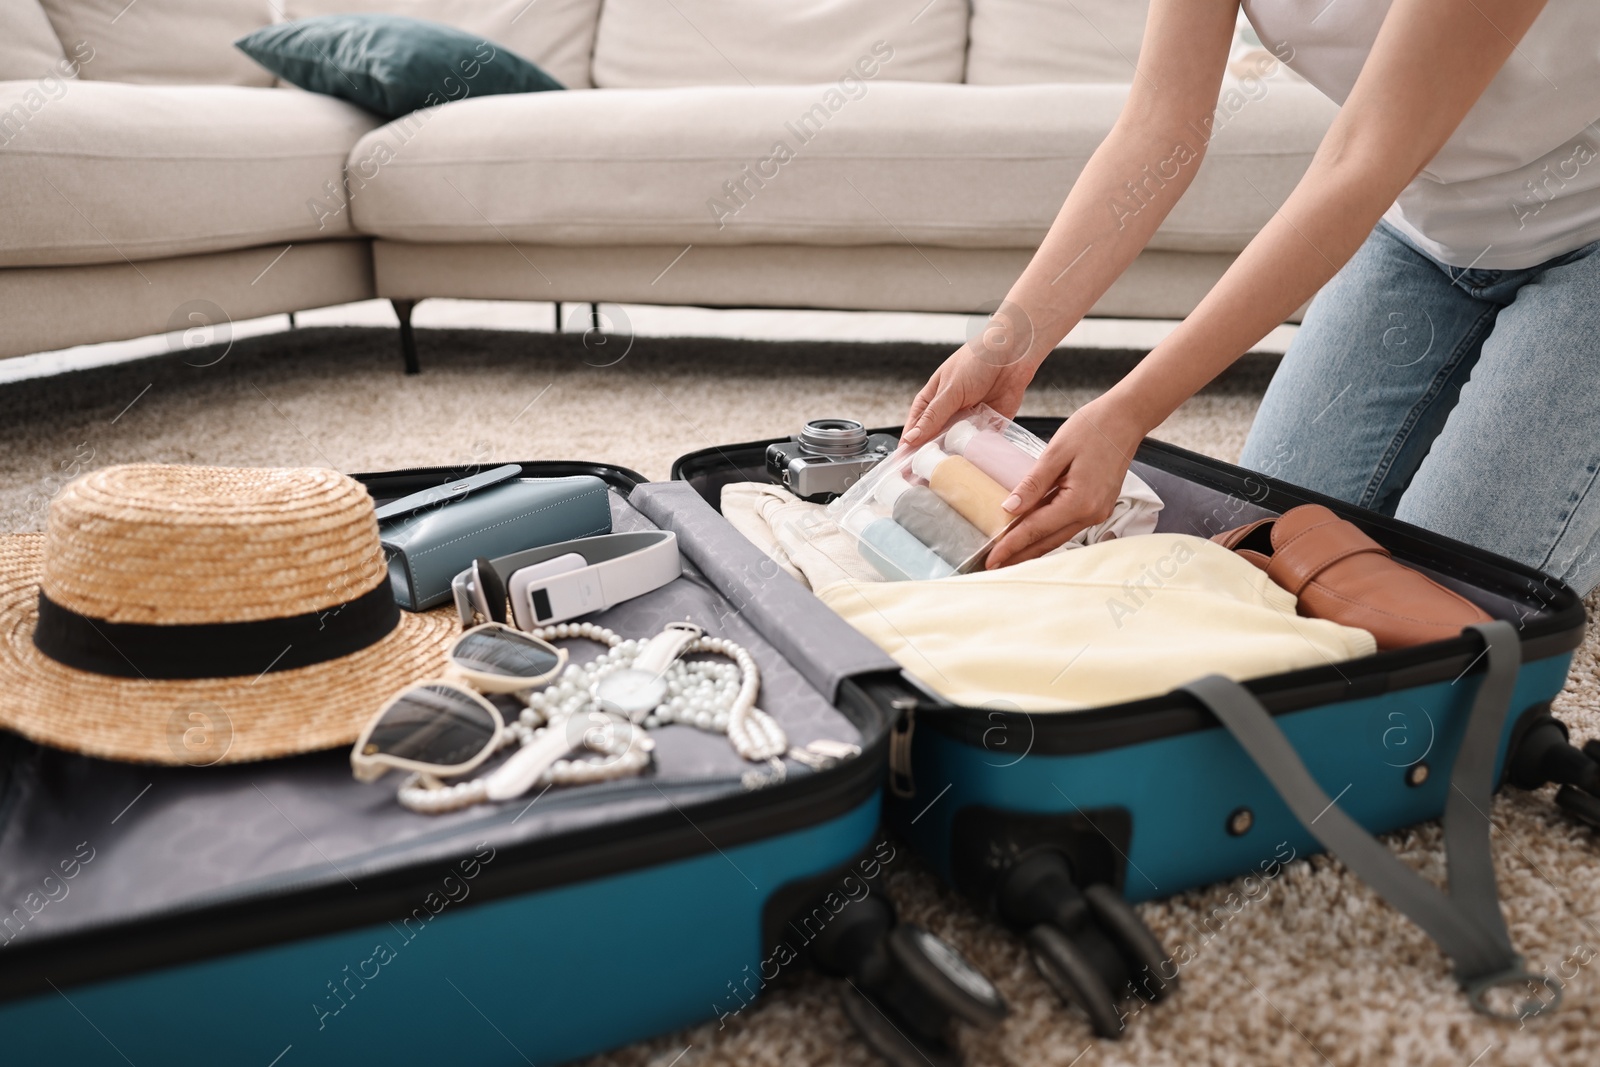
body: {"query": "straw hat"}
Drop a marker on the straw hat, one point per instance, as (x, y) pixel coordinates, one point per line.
(203, 615)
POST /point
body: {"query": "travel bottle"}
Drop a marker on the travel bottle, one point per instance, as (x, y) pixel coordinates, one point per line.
(892, 550)
(933, 522)
(990, 452)
(964, 487)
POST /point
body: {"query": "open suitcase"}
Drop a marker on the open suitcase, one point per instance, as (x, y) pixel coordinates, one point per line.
(1050, 822)
(281, 913)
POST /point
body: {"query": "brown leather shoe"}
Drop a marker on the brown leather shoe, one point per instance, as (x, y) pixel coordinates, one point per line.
(1341, 574)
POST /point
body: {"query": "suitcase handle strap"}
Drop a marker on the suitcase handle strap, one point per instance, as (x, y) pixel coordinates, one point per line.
(1465, 922)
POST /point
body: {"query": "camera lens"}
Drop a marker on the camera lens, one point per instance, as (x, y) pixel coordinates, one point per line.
(833, 437)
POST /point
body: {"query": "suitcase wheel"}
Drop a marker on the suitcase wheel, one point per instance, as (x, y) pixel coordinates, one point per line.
(1075, 978)
(903, 986)
(889, 1039)
(945, 975)
(1148, 963)
(1543, 755)
(1089, 944)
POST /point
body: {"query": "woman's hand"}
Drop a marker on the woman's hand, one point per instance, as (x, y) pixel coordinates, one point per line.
(1074, 485)
(993, 368)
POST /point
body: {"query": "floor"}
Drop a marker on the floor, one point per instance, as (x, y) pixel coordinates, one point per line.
(623, 320)
(1312, 969)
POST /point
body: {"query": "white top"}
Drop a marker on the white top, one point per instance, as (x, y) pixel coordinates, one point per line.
(925, 459)
(892, 488)
(1519, 181)
(957, 437)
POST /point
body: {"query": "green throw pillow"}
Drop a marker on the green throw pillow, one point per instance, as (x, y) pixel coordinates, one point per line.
(389, 64)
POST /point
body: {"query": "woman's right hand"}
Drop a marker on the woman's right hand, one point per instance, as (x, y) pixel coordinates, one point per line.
(993, 368)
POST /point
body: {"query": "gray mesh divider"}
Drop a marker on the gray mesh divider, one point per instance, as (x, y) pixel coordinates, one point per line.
(823, 647)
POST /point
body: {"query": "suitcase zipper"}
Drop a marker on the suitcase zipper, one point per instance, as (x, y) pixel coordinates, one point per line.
(900, 780)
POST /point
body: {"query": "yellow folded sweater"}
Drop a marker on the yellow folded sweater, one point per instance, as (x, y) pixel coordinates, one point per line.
(1116, 621)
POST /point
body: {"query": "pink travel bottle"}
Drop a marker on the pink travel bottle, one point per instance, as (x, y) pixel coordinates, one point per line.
(990, 452)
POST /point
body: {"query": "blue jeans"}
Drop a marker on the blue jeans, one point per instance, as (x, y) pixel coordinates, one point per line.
(1463, 401)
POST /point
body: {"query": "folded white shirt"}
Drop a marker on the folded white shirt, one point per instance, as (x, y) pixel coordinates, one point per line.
(801, 539)
(797, 534)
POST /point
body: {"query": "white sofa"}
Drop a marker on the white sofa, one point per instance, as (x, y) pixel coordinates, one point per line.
(858, 154)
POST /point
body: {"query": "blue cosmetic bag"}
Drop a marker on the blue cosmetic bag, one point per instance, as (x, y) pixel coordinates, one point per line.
(281, 913)
(1053, 823)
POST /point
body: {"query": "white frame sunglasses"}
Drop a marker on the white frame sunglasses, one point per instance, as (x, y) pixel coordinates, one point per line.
(490, 682)
(461, 680)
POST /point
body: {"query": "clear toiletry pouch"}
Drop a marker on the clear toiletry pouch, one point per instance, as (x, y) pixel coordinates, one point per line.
(935, 510)
(428, 546)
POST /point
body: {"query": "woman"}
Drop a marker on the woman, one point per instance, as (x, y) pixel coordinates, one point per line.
(1448, 371)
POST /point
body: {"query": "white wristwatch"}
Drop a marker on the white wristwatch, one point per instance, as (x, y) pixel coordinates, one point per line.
(637, 690)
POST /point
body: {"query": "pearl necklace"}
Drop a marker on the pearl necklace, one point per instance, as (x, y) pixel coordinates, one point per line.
(716, 697)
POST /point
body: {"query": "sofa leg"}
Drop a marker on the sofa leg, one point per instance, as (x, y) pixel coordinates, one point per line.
(558, 317)
(408, 340)
(594, 316)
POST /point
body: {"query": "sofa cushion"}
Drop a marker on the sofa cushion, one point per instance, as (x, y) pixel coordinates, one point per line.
(556, 34)
(110, 172)
(164, 42)
(53, 307)
(649, 43)
(953, 165)
(389, 64)
(29, 47)
(1018, 42)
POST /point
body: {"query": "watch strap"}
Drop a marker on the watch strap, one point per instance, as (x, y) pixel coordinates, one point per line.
(666, 646)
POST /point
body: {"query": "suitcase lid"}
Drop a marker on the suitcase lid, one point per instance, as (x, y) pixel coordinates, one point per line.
(170, 864)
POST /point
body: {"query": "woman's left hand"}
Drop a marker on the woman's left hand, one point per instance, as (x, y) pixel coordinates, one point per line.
(1074, 485)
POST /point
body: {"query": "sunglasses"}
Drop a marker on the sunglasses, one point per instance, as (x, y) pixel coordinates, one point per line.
(446, 726)
(496, 658)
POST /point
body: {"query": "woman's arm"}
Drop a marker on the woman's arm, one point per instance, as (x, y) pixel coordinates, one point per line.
(1092, 241)
(1431, 61)
(1095, 236)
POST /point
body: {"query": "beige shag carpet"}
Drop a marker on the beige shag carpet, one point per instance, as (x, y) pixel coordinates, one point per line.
(1314, 971)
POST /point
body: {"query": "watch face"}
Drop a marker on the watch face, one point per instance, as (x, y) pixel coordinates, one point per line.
(633, 693)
